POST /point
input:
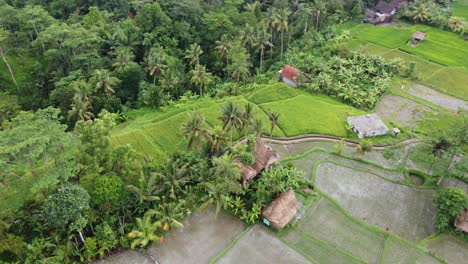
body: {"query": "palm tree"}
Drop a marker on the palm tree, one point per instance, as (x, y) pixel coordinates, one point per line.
(155, 62)
(304, 13)
(169, 214)
(83, 90)
(273, 116)
(223, 46)
(123, 56)
(363, 147)
(456, 24)
(200, 77)
(239, 70)
(281, 24)
(149, 188)
(247, 36)
(231, 117)
(271, 18)
(145, 232)
(81, 109)
(262, 40)
(216, 139)
(319, 8)
(257, 126)
(226, 172)
(248, 115)
(104, 81)
(419, 11)
(194, 131)
(173, 179)
(193, 54)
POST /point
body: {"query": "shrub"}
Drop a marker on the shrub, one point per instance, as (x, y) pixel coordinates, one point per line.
(247, 158)
(449, 202)
(91, 248)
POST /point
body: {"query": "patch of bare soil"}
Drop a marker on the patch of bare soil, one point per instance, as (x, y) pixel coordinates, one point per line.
(400, 110)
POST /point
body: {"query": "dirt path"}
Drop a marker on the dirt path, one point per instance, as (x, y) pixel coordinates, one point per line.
(307, 138)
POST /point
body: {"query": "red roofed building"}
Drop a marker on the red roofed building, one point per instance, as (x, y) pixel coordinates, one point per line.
(289, 75)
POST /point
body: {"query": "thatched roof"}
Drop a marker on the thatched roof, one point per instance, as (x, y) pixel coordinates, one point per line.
(264, 156)
(387, 8)
(247, 172)
(282, 210)
(418, 35)
(461, 222)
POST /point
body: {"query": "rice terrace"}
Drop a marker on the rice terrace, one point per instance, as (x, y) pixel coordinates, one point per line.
(234, 131)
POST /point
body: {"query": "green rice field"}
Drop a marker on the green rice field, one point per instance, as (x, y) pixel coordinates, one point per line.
(441, 60)
(156, 133)
(460, 9)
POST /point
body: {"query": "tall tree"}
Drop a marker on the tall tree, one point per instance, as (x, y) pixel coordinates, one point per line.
(155, 62)
(282, 24)
(262, 41)
(231, 115)
(223, 47)
(200, 77)
(193, 54)
(247, 36)
(104, 81)
(4, 35)
(123, 57)
(194, 131)
(320, 8)
(273, 117)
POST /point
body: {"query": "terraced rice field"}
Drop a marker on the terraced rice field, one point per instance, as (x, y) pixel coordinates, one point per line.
(157, 133)
(440, 60)
(406, 211)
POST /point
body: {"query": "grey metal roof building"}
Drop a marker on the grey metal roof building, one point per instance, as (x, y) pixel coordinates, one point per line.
(368, 125)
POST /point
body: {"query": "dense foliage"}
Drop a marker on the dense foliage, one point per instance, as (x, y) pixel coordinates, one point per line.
(449, 202)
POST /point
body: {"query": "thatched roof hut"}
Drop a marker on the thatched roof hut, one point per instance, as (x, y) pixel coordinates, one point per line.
(418, 36)
(461, 222)
(264, 156)
(247, 172)
(281, 211)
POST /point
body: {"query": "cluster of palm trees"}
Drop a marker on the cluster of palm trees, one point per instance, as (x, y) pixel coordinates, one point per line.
(102, 83)
(235, 119)
(430, 12)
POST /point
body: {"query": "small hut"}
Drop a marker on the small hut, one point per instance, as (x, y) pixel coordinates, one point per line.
(368, 125)
(418, 36)
(264, 156)
(461, 222)
(289, 75)
(281, 211)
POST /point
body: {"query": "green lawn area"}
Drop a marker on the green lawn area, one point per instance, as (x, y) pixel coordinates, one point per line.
(156, 133)
(451, 81)
(460, 9)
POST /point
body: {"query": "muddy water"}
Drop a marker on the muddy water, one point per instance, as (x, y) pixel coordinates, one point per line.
(202, 238)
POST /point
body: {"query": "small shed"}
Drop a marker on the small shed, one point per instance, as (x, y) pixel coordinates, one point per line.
(461, 222)
(281, 210)
(368, 125)
(418, 36)
(289, 75)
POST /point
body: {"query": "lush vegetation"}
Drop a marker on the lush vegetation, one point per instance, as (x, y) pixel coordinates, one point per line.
(120, 118)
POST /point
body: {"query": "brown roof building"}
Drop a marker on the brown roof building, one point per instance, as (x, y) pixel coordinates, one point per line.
(281, 211)
(418, 36)
(388, 8)
(461, 222)
(264, 158)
